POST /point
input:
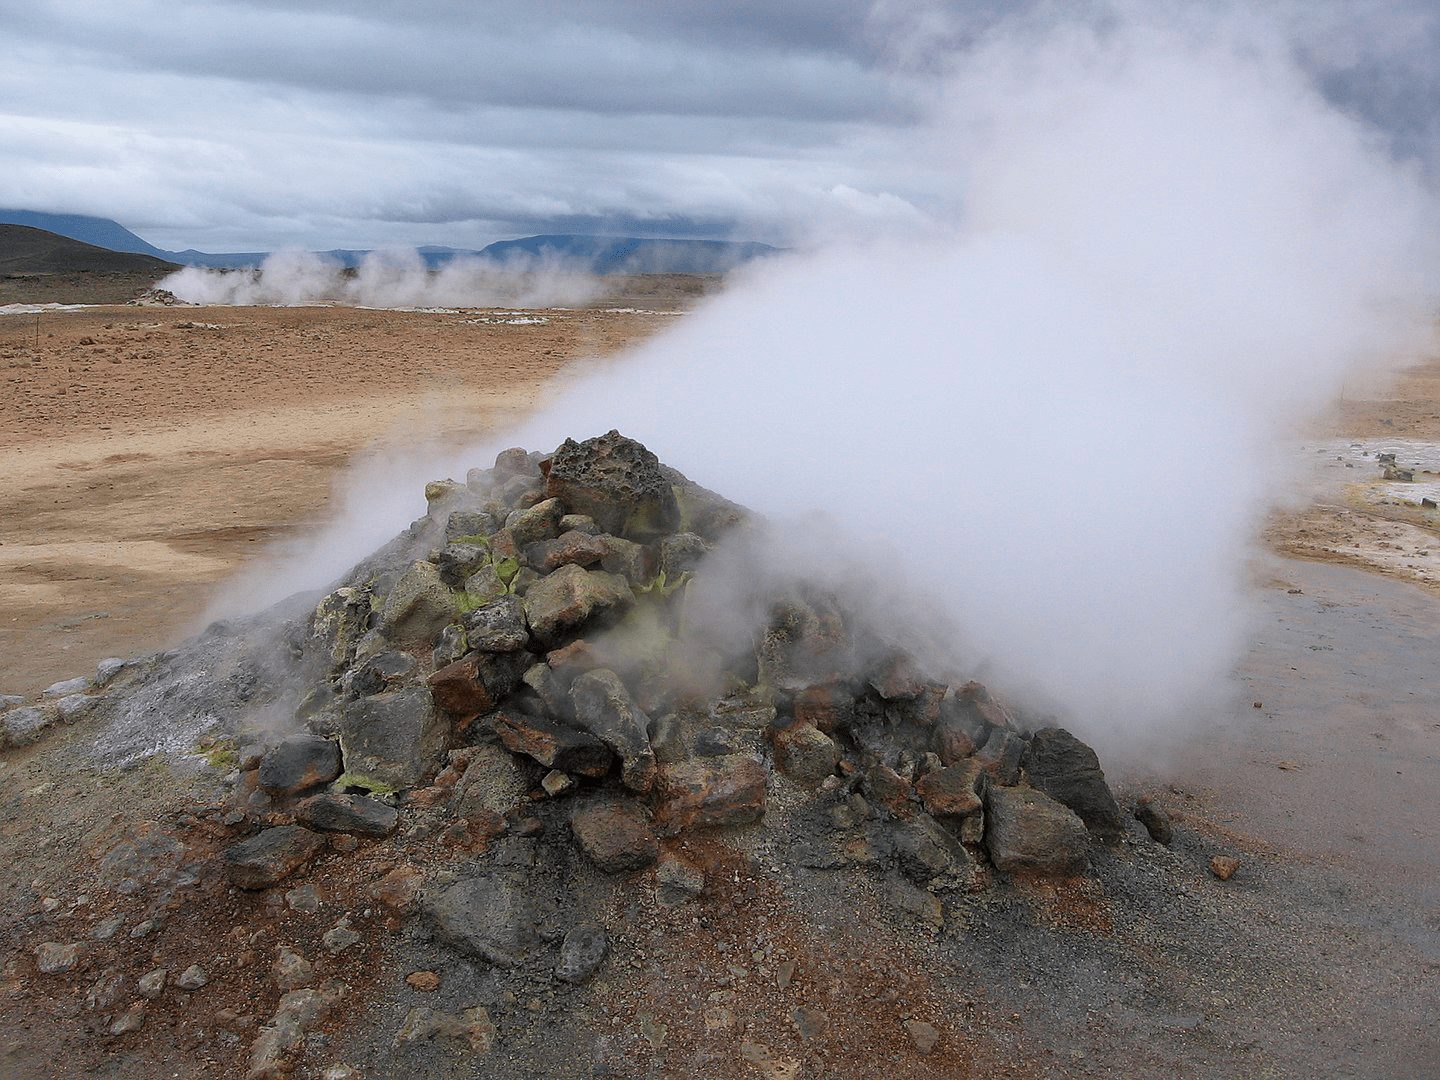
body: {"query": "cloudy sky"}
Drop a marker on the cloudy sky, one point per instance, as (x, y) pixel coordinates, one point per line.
(255, 124)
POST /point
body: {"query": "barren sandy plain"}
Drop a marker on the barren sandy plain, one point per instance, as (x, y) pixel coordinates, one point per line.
(148, 452)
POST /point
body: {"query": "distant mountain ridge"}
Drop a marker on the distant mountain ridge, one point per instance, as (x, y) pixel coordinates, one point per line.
(596, 254)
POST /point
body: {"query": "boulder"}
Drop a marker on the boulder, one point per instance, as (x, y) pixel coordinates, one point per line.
(23, 726)
(562, 603)
(488, 917)
(457, 561)
(1067, 770)
(615, 834)
(805, 754)
(418, 607)
(553, 744)
(493, 783)
(636, 563)
(298, 762)
(1155, 819)
(604, 708)
(1001, 755)
(681, 554)
(711, 792)
(1027, 831)
(383, 671)
(535, 524)
(618, 483)
(926, 851)
(270, 856)
(468, 526)
(498, 626)
(392, 740)
(338, 623)
(353, 814)
(951, 795)
(477, 683)
(582, 549)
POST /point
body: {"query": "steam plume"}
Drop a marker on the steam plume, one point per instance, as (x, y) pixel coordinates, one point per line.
(1057, 414)
(390, 278)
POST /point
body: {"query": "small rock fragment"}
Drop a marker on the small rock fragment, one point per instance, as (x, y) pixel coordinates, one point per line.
(152, 983)
(339, 937)
(192, 978)
(1156, 821)
(51, 957)
(924, 1036)
(132, 1019)
(425, 981)
(582, 952)
(1224, 866)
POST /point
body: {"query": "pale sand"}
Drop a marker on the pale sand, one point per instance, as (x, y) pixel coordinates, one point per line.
(147, 453)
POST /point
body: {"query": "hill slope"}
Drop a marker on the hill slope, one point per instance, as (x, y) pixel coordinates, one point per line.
(26, 250)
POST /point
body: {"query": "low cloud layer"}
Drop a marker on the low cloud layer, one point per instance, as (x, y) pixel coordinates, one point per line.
(247, 125)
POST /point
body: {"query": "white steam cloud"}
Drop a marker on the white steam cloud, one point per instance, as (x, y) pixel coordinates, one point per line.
(1059, 415)
(390, 278)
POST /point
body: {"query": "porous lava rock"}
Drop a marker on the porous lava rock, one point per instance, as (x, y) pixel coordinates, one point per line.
(616, 482)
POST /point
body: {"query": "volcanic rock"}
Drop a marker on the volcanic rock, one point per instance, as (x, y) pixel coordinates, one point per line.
(535, 524)
(418, 606)
(618, 483)
(582, 952)
(604, 708)
(498, 626)
(271, 856)
(353, 814)
(805, 754)
(22, 727)
(582, 549)
(487, 916)
(1067, 770)
(711, 792)
(297, 763)
(615, 834)
(1156, 821)
(563, 602)
(1026, 830)
(381, 672)
(552, 743)
(951, 795)
(392, 740)
(477, 683)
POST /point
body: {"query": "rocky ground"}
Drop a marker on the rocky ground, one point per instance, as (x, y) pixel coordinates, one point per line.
(1286, 928)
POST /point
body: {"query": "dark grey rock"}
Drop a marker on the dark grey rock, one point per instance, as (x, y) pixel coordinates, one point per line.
(392, 740)
(604, 708)
(353, 814)
(383, 671)
(582, 952)
(106, 670)
(270, 856)
(925, 850)
(456, 562)
(681, 553)
(489, 917)
(498, 626)
(553, 743)
(298, 762)
(72, 707)
(1156, 821)
(1067, 770)
(468, 525)
(450, 646)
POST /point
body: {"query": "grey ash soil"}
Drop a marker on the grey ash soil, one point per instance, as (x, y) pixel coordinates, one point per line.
(1318, 957)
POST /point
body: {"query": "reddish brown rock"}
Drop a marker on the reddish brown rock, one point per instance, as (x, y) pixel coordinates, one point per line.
(553, 744)
(579, 548)
(1224, 866)
(727, 790)
(824, 706)
(951, 791)
(616, 835)
(890, 790)
(953, 744)
(475, 684)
